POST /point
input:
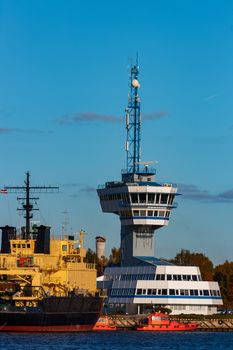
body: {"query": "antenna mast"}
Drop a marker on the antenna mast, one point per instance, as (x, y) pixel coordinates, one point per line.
(28, 201)
(133, 122)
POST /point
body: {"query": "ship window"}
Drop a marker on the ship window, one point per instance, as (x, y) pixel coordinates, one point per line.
(157, 198)
(159, 291)
(162, 277)
(134, 198)
(177, 292)
(194, 277)
(164, 198)
(151, 197)
(18, 245)
(182, 292)
(154, 292)
(184, 277)
(171, 291)
(206, 292)
(191, 292)
(156, 213)
(169, 277)
(161, 213)
(149, 292)
(167, 214)
(174, 277)
(28, 245)
(142, 212)
(23, 245)
(142, 197)
(150, 212)
(200, 292)
(179, 277)
(14, 245)
(164, 291)
(139, 292)
(218, 293)
(144, 291)
(64, 248)
(136, 212)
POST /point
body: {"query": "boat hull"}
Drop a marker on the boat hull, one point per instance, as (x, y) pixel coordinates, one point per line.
(55, 314)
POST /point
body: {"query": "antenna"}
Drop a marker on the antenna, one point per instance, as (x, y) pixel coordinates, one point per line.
(27, 201)
(133, 122)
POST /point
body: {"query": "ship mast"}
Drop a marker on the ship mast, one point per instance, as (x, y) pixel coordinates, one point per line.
(27, 201)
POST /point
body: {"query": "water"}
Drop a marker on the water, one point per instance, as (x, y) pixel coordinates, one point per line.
(116, 341)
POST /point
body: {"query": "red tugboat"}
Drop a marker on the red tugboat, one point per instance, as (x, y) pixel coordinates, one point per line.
(103, 324)
(162, 322)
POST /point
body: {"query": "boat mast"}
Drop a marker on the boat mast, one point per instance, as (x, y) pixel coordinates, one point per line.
(28, 201)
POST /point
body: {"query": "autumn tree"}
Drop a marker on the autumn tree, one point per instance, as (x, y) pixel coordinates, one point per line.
(187, 258)
(115, 257)
(223, 274)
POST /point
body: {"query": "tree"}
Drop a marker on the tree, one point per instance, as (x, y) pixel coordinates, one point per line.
(187, 258)
(115, 257)
(223, 274)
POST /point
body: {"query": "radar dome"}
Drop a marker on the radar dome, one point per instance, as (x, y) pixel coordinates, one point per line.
(135, 83)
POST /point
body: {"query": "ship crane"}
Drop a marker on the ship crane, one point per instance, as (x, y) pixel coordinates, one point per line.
(27, 201)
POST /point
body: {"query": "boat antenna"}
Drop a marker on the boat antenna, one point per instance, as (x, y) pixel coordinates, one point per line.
(27, 201)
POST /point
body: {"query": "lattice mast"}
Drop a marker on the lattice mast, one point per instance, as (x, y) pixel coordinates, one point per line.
(133, 122)
(28, 201)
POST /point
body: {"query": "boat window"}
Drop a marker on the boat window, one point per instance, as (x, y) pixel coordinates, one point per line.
(18, 245)
(151, 197)
(28, 245)
(149, 291)
(218, 293)
(154, 292)
(144, 291)
(177, 292)
(167, 214)
(171, 199)
(150, 212)
(191, 292)
(206, 292)
(157, 201)
(182, 292)
(164, 291)
(194, 277)
(14, 245)
(200, 292)
(139, 291)
(184, 277)
(64, 248)
(179, 277)
(162, 277)
(136, 212)
(159, 291)
(158, 277)
(169, 277)
(142, 212)
(161, 213)
(156, 213)
(171, 291)
(23, 245)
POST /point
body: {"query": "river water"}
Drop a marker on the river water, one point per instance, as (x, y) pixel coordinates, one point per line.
(118, 340)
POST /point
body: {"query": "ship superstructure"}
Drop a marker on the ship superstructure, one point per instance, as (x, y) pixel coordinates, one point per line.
(46, 276)
(145, 205)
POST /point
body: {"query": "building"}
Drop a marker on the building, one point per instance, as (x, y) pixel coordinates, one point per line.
(143, 206)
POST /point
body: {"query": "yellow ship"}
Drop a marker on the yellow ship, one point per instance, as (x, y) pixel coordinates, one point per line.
(46, 284)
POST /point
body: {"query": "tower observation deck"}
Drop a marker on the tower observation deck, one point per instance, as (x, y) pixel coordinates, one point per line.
(143, 204)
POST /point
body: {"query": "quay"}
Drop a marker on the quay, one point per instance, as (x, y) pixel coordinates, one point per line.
(205, 324)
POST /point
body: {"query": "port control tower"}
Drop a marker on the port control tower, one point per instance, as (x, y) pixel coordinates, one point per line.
(142, 204)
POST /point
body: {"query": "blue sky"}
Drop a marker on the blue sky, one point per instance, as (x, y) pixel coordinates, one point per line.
(64, 85)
